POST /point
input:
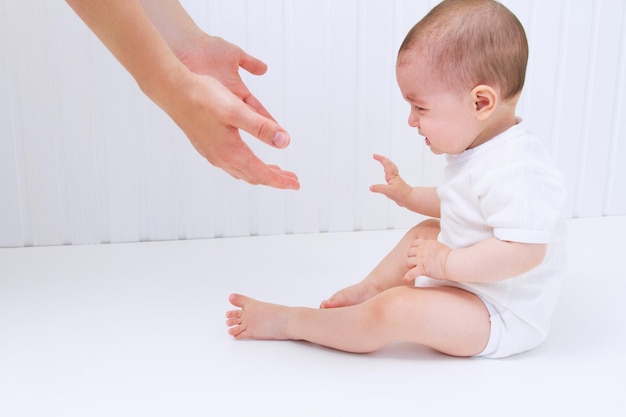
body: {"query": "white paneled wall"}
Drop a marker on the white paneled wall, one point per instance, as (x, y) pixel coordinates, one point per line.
(86, 158)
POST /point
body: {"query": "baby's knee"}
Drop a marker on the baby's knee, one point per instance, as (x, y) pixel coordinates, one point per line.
(391, 306)
(428, 229)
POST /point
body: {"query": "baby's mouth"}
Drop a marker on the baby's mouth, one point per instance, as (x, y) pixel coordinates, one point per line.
(427, 141)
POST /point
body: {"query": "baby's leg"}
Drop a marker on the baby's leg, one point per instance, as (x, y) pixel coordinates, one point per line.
(388, 273)
(447, 319)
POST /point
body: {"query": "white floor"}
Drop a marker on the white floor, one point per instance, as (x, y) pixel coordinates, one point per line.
(138, 330)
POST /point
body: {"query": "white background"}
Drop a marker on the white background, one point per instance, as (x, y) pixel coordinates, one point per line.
(86, 158)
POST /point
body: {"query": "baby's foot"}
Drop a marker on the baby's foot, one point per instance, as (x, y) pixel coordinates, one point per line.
(256, 319)
(352, 295)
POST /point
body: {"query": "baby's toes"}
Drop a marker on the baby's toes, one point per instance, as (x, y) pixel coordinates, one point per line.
(237, 331)
(233, 321)
(233, 314)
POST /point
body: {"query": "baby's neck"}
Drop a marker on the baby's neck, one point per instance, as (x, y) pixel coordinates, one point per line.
(501, 120)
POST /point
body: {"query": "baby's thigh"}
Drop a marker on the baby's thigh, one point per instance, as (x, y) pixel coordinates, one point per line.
(448, 319)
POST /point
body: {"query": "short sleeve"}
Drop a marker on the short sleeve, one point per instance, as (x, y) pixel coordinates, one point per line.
(522, 202)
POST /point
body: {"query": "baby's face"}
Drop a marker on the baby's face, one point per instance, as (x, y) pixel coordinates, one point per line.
(445, 118)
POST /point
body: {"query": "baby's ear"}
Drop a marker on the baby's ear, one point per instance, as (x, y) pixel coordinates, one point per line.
(485, 101)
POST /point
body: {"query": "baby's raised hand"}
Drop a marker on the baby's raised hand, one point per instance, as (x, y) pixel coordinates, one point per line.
(426, 258)
(396, 188)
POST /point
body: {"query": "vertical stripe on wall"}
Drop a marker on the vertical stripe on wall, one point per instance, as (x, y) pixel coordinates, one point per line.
(86, 158)
(615, 197)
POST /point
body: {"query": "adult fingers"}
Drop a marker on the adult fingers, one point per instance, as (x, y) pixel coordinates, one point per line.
(248, 167)
(256, 105)
(259, 126)
(251, 64)
(258, 173)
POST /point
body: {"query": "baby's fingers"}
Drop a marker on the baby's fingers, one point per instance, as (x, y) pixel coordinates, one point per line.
(391, 170)
(379, 188)
(385, 162)
(412, 275)
(415, 243)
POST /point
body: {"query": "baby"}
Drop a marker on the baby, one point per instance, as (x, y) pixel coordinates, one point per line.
(480, 277)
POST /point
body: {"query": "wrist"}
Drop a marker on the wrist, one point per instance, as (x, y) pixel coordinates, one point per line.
(187, 40)
(405, 200)
(164, 82)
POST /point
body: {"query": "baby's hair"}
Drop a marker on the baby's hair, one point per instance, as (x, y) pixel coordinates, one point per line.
(472, 42)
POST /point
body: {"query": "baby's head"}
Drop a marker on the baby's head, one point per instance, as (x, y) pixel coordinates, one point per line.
(462, 69)
(471, 42)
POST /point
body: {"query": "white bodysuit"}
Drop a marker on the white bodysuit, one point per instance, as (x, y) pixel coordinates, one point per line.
(508, 188)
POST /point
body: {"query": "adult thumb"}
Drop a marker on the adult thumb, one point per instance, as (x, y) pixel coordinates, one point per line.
(262, 126)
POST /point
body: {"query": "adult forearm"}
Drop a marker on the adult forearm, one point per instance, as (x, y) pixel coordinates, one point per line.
(173, 23)
(126, 30)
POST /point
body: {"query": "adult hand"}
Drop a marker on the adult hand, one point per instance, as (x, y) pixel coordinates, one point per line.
(229, 109)
(194, 78)
(211, 115)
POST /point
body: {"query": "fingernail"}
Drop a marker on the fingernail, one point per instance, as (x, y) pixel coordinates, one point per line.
(281, 139)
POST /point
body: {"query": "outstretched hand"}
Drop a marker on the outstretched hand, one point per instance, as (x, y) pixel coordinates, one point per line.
(194, 78)
(395, 188)
(216, 104)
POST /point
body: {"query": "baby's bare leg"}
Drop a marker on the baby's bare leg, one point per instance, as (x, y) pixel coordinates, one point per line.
(447, 319)
(388, 273)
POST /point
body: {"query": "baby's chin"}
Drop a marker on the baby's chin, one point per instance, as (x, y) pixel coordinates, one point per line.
(433, 150)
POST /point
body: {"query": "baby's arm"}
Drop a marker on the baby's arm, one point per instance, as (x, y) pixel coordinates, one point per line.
(493, 260)
(422, 200)
(487, 261)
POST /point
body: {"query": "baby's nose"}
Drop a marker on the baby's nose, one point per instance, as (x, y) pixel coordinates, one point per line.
(414, 121)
